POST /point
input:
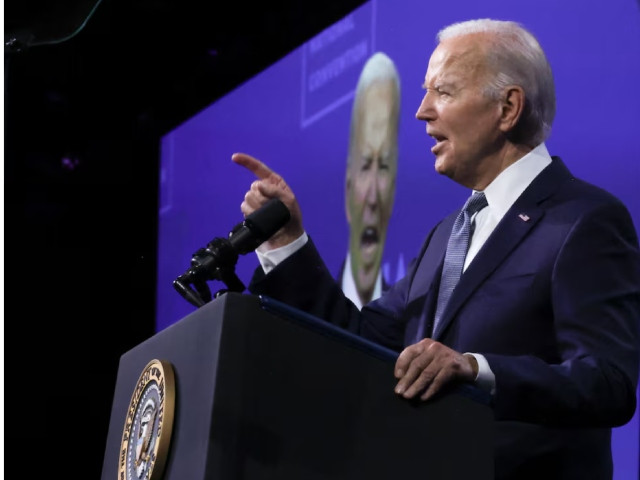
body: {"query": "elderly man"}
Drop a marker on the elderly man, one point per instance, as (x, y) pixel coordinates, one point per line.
(531, 290)
(372, 164)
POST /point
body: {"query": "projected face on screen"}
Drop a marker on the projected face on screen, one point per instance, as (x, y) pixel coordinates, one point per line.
(371, 170)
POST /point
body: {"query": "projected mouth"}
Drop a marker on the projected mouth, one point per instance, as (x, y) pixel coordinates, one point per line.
(370, 238)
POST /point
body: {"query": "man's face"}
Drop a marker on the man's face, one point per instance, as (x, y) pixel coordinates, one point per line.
(370, 183)
(460, 117)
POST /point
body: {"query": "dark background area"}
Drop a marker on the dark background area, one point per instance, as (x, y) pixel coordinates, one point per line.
(90, 88)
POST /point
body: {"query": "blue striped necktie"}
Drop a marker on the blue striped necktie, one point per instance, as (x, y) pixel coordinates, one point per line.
(456, 253)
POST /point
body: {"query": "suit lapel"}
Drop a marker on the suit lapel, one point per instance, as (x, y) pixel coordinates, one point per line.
(523, 215)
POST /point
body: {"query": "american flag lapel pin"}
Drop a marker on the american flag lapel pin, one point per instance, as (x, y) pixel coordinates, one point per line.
(524, 217)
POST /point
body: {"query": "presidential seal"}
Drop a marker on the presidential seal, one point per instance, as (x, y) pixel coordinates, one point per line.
(147, 429)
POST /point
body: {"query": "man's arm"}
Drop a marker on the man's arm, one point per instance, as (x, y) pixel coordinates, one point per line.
(300, 278)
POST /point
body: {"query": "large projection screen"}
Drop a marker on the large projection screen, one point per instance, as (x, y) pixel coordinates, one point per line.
(295, 117)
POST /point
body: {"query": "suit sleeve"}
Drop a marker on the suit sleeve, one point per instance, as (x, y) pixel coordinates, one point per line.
(595, 292)
(303, 281)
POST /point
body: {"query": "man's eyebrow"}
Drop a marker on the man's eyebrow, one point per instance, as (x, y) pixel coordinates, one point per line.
(438, 85)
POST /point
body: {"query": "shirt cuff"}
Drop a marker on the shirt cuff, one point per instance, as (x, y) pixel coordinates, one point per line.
(485, 379)
(269, 259)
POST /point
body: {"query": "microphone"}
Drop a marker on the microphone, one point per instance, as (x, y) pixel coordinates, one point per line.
(259, 226)
(218, 259)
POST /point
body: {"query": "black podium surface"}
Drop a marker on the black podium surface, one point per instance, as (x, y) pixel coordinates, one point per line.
(264, 391)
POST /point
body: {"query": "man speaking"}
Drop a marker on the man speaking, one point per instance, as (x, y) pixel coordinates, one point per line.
(531, 290)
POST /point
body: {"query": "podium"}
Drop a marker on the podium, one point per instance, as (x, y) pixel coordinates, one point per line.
(264, 391)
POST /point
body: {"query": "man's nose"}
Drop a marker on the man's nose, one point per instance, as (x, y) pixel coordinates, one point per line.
(425, 110)
(372, 188)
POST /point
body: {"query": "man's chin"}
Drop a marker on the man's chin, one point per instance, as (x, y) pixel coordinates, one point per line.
(368, 255)
(444, 163)
(440, 166)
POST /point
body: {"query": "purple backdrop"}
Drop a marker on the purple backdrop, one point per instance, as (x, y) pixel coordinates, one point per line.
(295, 117)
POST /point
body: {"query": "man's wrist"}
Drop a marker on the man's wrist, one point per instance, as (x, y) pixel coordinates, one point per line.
(269, 259)
(473, 363)
(484, 378)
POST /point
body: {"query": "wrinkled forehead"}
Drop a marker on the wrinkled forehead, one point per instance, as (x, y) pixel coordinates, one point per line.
(458, 59)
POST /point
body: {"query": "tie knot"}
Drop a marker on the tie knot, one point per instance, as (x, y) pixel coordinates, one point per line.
(475, 203)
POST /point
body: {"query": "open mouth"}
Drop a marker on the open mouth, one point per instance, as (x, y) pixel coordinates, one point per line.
(369, 236)
(439, 142)
(369, 240)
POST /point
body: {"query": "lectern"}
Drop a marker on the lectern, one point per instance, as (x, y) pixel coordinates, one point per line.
(264, 391)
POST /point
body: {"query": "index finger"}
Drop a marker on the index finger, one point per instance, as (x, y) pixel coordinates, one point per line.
(258, 168)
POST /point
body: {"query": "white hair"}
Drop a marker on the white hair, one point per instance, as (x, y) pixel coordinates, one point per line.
(378, 68)
(516, 58)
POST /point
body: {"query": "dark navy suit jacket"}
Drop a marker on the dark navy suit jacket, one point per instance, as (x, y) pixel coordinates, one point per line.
(552, 300)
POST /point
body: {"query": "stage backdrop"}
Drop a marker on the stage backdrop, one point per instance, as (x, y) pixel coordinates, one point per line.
(295, 117)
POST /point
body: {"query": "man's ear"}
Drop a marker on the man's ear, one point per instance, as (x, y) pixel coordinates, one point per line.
(512, 107)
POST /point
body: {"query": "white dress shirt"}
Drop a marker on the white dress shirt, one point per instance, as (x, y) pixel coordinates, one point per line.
(502, 193)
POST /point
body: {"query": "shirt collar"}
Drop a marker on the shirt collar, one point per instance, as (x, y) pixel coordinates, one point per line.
(505, 189)
(349, 284)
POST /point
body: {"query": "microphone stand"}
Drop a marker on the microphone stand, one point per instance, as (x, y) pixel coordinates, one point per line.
(215, 262)
(218, 260)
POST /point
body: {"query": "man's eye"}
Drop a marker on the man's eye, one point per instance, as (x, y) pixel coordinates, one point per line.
(439, 91)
